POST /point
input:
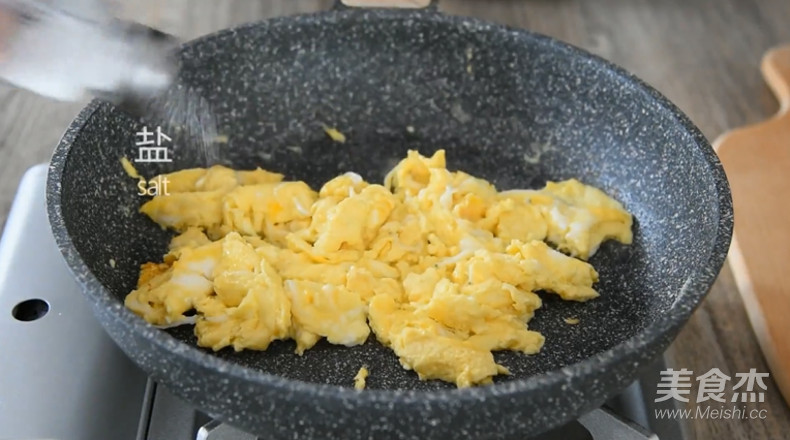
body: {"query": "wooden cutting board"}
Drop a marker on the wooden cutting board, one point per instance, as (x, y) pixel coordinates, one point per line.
(756, 159)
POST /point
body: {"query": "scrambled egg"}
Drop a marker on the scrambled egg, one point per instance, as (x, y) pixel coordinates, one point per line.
(129, 169)
(439, 265)
(360, 378)
(335, 134)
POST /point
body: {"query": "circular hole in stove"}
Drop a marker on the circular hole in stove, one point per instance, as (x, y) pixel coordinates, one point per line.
(30, 310)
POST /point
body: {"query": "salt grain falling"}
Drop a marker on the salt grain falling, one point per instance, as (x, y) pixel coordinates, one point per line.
(186, 116)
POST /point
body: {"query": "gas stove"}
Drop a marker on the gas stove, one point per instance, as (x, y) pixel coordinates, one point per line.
(62, 378)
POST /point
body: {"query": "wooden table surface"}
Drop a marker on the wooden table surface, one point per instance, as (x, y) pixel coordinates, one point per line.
(703, 54)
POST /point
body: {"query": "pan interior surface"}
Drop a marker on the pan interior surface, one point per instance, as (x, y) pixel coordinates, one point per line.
(510, 107)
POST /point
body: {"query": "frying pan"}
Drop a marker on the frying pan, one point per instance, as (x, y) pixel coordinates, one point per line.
(508, 105)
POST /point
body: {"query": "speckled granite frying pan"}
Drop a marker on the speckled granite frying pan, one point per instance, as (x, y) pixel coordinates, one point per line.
(508, 105)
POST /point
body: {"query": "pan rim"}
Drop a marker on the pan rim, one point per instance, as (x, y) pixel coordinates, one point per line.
(689, 298)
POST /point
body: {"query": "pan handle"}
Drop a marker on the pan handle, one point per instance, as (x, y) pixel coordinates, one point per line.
(403, 4)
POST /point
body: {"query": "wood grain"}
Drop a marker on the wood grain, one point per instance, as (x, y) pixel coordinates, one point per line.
(757, 159)
(703, 54)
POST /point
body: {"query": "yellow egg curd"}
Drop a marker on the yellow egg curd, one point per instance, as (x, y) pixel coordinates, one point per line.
(439, 265)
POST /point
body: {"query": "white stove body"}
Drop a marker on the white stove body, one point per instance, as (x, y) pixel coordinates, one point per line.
(61, 376)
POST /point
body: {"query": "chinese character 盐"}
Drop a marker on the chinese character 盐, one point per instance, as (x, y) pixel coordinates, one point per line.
(674, 384)
(147, 152)
(145, 137)
(711, 386)
(749, 379)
